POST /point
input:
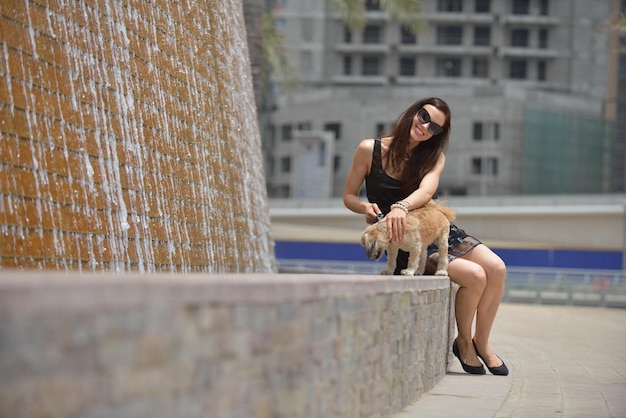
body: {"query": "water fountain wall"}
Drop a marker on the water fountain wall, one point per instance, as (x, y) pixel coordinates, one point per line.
(129, 138)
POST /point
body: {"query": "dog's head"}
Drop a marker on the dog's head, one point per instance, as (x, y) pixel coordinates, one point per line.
(374, 239)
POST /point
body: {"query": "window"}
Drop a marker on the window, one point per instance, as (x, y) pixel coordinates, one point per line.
(347, 35)
(482, 6)
(334, 127)
(306, 62)
(477, 165)
(371, 34)
(271, 135)
(283, 190)
(380, 129)
(457, 191)
(519, 37)
(347, 65)
(337, 163)
(406, 36)
(480, 68)
(407, 66)
(520, 7)
(541, 71)
(285, 132)
(372, 4)
(477, 131)
(307, 30)
(517, 69)
(482, 35)
(285, 164)
(450, 35)
(484, 165)
(492, 166)
(543, 38)
(449, 67)
(371, 65)
(450, 5)
(544, 7)
(485, 131)
(270, 166)
(304, 126)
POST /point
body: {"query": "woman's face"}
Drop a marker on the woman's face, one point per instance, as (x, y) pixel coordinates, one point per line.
(427, 122)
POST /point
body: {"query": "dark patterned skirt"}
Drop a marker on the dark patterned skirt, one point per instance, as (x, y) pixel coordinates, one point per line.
(459, 244)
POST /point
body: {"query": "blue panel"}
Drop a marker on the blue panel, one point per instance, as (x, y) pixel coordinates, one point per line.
(320, 251)
(514, 257)
(611, 260)
(524, 257)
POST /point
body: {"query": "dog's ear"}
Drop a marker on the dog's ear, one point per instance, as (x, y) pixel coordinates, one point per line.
(381, 231)
(366, 237)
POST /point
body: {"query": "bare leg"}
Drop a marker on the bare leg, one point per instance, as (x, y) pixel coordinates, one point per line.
(472, 279)
(489, 303)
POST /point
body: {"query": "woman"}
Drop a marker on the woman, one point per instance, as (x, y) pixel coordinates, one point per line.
(401, 172)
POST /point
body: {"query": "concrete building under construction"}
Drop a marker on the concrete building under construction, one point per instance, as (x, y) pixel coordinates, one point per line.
(535, 88)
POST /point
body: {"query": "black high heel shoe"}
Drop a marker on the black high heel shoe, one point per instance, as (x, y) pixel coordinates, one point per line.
(468, 369)
(501, 370)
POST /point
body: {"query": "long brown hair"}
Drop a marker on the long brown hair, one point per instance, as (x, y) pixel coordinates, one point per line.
(423, 157)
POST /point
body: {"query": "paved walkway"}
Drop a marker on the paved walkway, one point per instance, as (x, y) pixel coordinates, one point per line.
(564, 362)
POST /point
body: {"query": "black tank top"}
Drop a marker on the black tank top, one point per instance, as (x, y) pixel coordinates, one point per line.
(381, 188)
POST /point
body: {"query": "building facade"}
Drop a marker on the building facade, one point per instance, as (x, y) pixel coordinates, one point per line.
(532, 85)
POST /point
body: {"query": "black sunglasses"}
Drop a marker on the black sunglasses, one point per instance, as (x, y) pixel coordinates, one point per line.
(424, 117)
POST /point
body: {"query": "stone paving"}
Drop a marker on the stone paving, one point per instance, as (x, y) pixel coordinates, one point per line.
(564, 362)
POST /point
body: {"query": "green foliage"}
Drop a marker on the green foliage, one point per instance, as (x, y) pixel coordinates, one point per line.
(352, 12)
(406, 12)
(275, 55)
(619, 25)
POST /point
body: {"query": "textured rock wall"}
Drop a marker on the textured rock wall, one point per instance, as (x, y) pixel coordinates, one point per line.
(129, 138)
(223, 346)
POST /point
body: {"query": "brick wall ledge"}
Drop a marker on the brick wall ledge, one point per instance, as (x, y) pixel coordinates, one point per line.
(284, 345)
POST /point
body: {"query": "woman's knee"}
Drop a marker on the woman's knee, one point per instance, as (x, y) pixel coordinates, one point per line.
(472, 276)
(496, 270)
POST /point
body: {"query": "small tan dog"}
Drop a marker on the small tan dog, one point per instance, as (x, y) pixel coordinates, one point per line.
(425, 225)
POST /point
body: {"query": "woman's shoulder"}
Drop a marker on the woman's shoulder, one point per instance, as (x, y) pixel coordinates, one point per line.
(367, 144)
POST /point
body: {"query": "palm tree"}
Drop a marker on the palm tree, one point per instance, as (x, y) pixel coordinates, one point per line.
(269, 55)
(406, 12)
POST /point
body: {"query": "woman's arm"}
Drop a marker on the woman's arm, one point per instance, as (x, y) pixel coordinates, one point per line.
(360, 169)
(428, 187)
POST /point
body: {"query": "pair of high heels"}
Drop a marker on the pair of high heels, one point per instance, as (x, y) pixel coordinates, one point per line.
(500, 370)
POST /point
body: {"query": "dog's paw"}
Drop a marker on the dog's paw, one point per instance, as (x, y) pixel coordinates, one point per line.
(441, 273)
(385, 272)
(407, 272)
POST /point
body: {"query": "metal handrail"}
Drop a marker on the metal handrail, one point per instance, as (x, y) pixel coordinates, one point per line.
(538, 285)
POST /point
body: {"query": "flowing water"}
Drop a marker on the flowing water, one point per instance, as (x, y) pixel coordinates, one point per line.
(129, 139)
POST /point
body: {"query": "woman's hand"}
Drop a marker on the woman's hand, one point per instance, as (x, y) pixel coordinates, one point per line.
(396, 223)
(371, 213)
